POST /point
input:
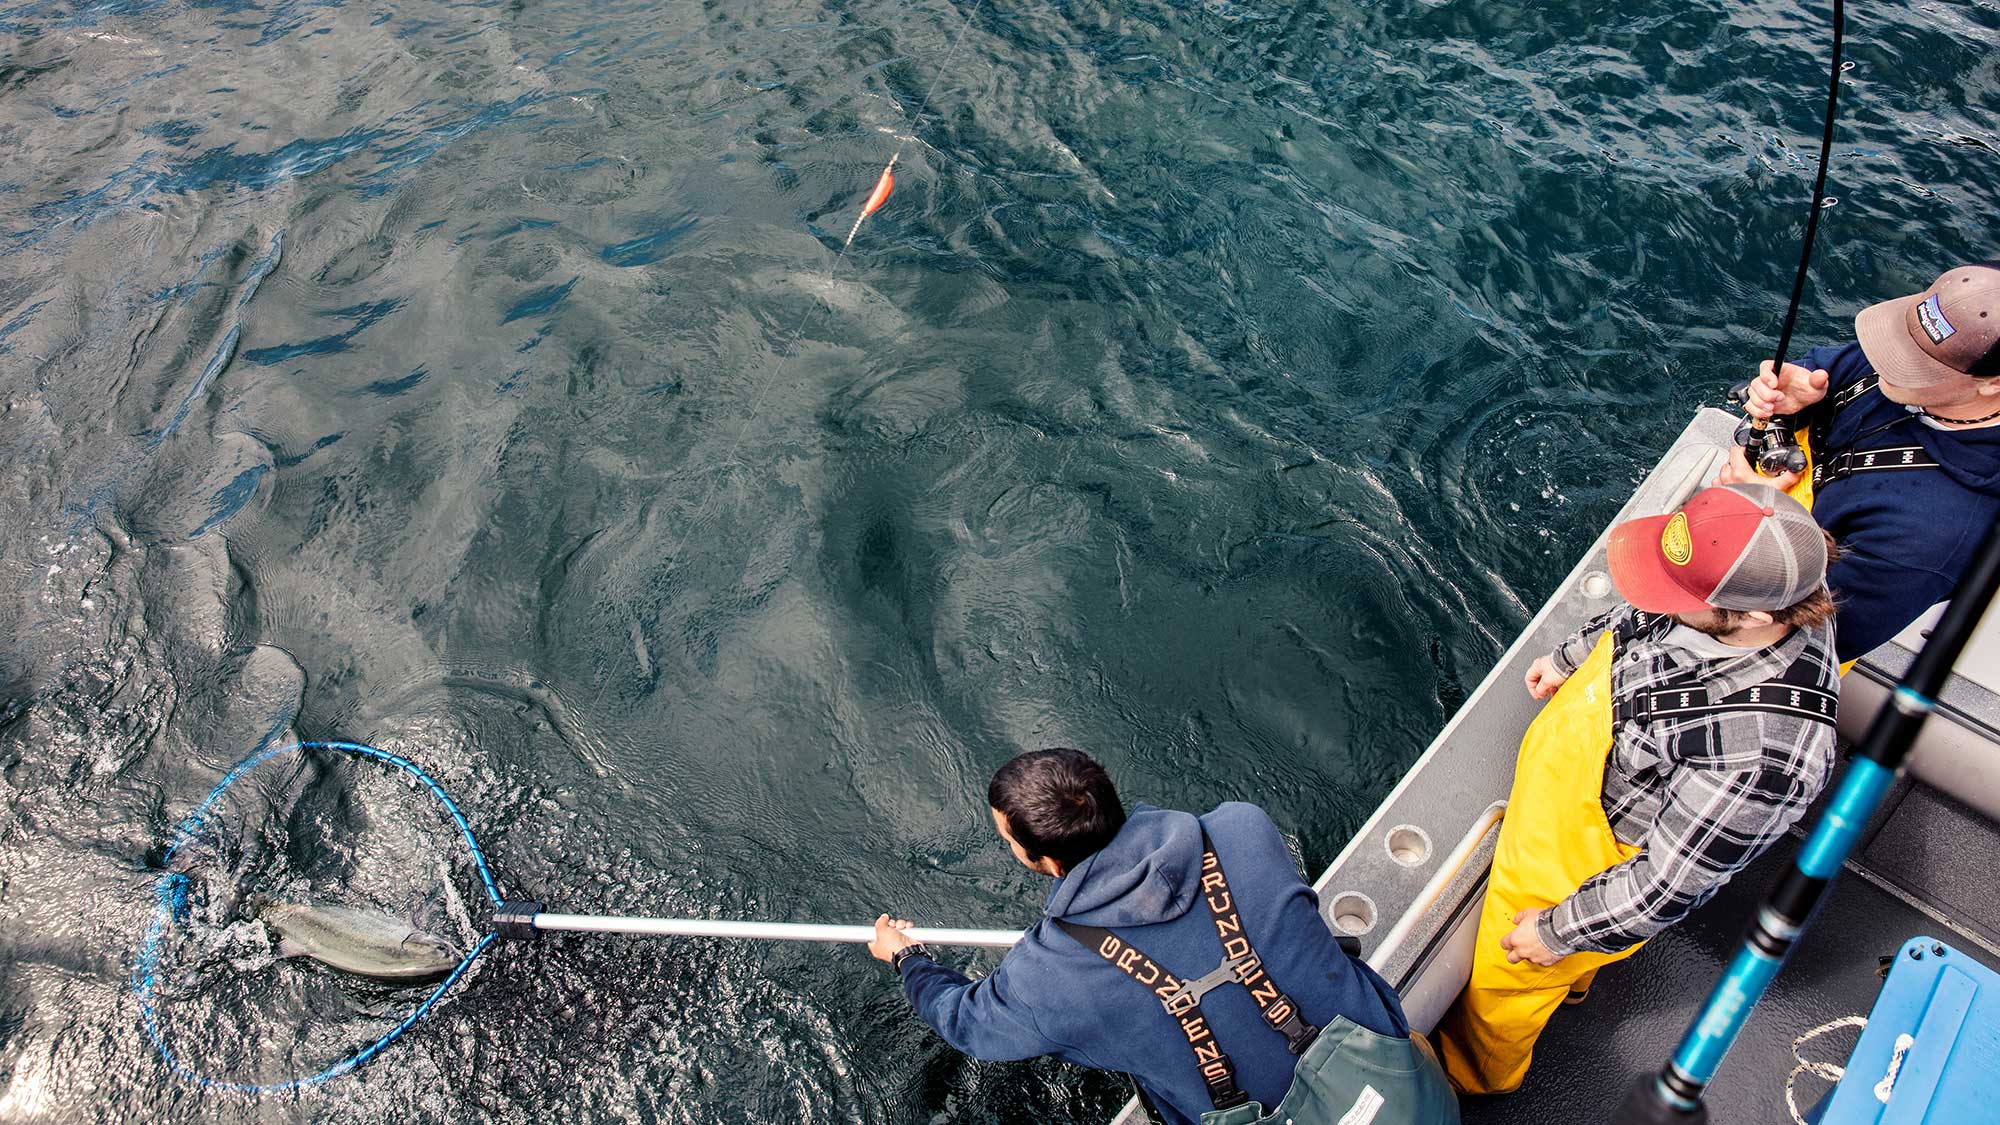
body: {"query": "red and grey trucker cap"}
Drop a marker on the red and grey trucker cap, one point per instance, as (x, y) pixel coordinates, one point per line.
(1949, 330)
(1737, 546)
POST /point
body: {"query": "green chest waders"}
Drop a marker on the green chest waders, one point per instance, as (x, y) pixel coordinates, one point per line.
(1346, 1074)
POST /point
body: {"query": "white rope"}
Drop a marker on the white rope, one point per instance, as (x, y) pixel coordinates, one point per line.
(1825, 1071)
(1888, 1084)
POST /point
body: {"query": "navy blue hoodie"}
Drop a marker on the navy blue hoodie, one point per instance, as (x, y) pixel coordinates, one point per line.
(1906, 535)
(1052, 996)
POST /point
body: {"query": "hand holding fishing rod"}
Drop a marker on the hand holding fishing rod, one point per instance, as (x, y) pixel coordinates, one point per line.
(1770, 402)
(1786, 394)
(1766, 439)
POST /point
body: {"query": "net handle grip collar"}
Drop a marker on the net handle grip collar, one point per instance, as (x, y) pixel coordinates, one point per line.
(515, 920)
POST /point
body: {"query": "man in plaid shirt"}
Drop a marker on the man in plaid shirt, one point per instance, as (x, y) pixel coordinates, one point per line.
(1704, 794)
(1685, 733)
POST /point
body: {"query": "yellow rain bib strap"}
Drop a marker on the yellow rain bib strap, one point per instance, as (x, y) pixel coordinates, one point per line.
(1803, 493)
(1803, 490)
(1554, 838)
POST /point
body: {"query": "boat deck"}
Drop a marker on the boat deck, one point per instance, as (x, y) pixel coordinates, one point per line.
(1926, 870)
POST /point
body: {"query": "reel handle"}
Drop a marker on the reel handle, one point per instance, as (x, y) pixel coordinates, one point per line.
(1767, 444)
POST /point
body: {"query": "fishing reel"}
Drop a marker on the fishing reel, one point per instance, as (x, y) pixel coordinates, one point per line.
(1767, 445)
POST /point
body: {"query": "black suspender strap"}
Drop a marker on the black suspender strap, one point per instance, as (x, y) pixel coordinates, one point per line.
(1830, 466)
(1848, 462)
(1628, 626)
(1789, 693)
(1631, 625)
(1278, 1009)
(1182, 999)
(1854, 390)
(1810, 704)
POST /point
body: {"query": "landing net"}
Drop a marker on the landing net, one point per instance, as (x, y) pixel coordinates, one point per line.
(171, 909)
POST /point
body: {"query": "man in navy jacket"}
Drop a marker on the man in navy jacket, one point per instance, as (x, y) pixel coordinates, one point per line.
(1905, 435)
(1141, 884)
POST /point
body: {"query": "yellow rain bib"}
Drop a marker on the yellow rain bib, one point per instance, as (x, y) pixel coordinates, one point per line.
(1555, 837)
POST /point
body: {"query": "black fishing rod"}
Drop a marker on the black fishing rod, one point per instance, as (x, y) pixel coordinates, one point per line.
(1768, 444)
(1674, 1095)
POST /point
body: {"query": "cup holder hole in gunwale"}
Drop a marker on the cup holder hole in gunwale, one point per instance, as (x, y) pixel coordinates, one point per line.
(1352, 913)
(1408, 845)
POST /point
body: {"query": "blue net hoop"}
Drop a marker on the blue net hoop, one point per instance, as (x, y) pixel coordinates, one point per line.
(171, 888)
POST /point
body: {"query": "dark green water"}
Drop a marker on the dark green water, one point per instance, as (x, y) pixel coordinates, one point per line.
(1220, 390)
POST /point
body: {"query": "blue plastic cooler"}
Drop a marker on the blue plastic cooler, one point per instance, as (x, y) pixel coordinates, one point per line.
(1948, 1071)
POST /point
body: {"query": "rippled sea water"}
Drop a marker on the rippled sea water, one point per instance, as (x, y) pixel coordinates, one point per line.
(1220, 390)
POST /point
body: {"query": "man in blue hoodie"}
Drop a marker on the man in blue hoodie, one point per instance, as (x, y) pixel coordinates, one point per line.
(1904, 430)
(1184, 951)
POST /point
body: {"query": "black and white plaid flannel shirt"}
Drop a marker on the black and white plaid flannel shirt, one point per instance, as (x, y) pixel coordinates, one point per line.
(1703, 795)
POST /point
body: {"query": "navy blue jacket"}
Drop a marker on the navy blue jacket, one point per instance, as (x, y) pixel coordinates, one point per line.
(1052, 996)
(1905, 535)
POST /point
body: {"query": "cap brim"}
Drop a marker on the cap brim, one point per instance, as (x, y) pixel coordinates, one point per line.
(1884, 333)
(1642, 574)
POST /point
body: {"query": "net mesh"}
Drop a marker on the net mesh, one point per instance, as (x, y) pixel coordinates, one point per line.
(320, 829)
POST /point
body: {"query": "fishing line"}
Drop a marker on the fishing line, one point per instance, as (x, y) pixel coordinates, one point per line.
(883, 186)
(1771, 449)
(1820, 202)
(170, 896)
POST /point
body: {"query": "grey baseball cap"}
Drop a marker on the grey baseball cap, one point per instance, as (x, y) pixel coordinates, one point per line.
(1945, 332)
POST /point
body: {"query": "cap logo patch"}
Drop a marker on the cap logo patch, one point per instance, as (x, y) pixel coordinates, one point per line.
(1675, 542)
(1930, 317)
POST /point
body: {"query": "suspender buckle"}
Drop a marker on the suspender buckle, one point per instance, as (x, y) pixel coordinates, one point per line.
(1189, 994)
(1223, 1092)
(1298, 1033)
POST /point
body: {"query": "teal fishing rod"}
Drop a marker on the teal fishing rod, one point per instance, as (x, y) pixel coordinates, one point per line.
(1675, 1094)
